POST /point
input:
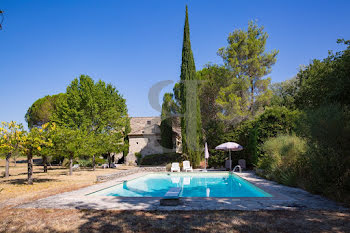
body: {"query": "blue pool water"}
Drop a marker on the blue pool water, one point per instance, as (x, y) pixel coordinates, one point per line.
(191, 184)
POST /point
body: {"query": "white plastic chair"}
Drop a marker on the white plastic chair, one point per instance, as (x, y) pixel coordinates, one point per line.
(187, 166)
(175, 167)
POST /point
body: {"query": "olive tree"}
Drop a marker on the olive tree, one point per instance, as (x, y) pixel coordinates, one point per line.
(11, 140)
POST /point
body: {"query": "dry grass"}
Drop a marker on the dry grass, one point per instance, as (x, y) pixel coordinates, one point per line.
(17, 220)
(15, 191)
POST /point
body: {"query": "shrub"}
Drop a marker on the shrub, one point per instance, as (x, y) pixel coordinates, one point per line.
(65, 162)
(138, 157)
(281, 157)
(326, 168)
(99, 161)
(217, 158)
(161, 159)
(253, 133)
(85, 162)
(168, 167)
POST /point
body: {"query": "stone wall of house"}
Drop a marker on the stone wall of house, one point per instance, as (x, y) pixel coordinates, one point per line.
(146, 144)
(145, 137)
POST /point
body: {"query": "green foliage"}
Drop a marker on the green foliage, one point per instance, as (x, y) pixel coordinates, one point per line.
(283, 93)
(99, 161)
(213, 78)
(325, 82)
(252, 134)
(327, 165)
(217, 158)
(319, 160)
(275, 121)
(95, 107)
(191, 123)
(70, 142)
(166, 130)
(281, 157)
(41, 110)
(12, 137)
(98, 113)
(34, 142)
(161, 159)
(245, 56)
(85, 163)
(138, 157)
(66, 162)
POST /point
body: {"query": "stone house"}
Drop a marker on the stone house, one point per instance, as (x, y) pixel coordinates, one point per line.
(145, 138)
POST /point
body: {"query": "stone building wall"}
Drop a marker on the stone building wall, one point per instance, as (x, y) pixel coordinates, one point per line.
(145, 137)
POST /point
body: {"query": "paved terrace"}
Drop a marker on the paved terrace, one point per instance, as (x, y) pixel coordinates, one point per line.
(283, 198)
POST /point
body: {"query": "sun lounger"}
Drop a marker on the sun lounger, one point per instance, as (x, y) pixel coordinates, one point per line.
(187, 166)
(175, 167)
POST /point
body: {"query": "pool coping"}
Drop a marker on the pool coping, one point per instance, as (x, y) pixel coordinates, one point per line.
(283, 197)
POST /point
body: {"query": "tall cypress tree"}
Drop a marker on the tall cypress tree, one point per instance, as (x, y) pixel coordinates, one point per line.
(191, 123)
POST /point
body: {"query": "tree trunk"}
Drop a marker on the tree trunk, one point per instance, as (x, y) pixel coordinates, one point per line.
(70, 165)
(7, 168)
(30, 168)
(109, 160)
(45, 163)
(93, 163)
(251, 95)
(14, 160)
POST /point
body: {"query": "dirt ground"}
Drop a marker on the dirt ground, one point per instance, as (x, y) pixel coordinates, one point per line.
(15, 191)
(56, 180)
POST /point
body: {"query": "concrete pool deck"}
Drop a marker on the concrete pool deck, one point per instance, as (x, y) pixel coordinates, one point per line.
(283, 198)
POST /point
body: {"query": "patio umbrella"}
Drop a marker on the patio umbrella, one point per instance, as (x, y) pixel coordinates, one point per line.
(206, 155)
(229, 146)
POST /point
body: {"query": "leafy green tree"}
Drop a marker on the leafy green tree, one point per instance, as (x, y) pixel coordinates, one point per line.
(126, 131)
(283, 93)
(325, 82)
(213, 78)
(48, 132)
(326, 168)
(191, 123)
(95, 108)
(11, 141)
(34, 141)
(246, 58)
(168, 112)
(41, 110)
(111, 143)
(71, 143)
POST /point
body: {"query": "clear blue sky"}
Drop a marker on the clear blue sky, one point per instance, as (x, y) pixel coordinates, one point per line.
(134, 44)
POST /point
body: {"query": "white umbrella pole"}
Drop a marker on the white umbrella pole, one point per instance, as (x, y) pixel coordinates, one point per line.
(229, 152)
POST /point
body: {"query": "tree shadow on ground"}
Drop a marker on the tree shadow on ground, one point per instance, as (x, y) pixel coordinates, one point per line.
(214, 221)
(24, 181)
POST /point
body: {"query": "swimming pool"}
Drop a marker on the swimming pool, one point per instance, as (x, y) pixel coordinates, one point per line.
(222, 184)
